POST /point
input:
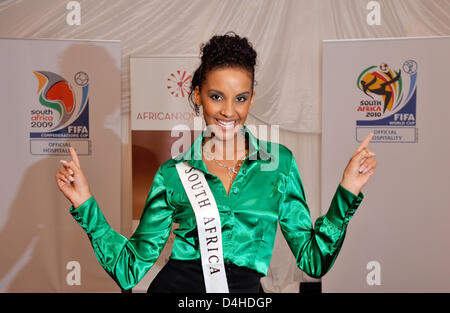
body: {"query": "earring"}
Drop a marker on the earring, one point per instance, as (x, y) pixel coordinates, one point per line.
(197, 109)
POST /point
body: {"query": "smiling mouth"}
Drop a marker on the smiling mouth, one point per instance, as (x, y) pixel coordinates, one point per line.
(226, 124)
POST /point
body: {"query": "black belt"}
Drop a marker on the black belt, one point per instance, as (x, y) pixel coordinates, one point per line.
(189, 277)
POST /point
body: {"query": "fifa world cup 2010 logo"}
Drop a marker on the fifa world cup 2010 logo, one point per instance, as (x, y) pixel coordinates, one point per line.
(389, 92)
(388, 107)
(381, 81)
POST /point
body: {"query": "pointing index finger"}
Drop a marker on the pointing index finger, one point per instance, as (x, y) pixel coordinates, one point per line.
(365, 142)
(74, 156)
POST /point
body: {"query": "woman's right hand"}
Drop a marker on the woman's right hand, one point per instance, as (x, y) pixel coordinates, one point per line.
(72, 182)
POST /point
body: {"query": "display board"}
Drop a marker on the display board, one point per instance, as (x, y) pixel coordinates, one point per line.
(398, 90)
(56, 94)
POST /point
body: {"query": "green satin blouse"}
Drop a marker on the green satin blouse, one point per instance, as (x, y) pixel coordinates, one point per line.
(267, 190)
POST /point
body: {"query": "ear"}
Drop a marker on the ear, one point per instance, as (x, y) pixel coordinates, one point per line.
(197, 96)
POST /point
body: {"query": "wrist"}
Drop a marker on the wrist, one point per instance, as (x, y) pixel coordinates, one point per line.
(350, 187)
(77, 202)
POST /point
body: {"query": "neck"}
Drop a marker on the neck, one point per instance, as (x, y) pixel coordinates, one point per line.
(231, 149)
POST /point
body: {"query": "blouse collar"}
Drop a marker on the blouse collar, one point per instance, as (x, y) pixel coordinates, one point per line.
(257, 150)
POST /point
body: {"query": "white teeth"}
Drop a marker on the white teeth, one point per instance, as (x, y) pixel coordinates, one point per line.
(226, 124)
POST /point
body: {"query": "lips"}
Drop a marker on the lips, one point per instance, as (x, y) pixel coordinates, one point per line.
(226, 124)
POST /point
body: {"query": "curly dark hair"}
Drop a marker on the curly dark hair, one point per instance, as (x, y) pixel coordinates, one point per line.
(228, 50)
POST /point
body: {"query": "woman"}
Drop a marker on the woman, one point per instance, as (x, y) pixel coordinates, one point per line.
(250, 201)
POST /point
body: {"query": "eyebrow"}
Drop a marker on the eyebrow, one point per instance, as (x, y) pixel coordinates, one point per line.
(220, 93)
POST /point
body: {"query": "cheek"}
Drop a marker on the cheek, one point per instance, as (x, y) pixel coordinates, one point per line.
(209, 110)
(243, 111)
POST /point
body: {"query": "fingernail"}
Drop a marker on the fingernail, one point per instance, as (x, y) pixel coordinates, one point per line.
(362, 168)
(372, 153)
(71, 179)
(70, 172)
(62, 161)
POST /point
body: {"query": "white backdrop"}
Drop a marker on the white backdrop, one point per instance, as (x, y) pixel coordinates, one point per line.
(397, 240)
(287, 35)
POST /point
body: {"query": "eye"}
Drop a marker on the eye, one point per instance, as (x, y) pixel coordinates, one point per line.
(216, 97)
(241, 99)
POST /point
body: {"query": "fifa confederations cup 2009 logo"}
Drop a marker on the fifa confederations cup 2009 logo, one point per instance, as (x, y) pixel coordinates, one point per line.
(61, 112)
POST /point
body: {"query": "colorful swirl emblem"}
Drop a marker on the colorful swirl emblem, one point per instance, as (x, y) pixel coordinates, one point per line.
(56, 93)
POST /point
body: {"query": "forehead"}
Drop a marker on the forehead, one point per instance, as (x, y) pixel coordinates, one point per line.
(229, 78)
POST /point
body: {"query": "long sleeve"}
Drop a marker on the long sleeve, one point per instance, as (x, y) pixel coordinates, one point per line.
(315, 249)
(128, 260)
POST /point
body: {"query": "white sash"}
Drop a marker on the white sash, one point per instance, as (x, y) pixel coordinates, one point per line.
(208, 226)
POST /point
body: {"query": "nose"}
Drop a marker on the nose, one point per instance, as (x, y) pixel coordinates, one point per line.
(227, 109)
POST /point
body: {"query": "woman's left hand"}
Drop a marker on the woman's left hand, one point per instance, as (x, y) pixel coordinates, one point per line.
(360, 168)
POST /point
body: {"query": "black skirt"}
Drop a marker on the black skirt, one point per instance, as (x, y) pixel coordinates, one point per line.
(187, 277)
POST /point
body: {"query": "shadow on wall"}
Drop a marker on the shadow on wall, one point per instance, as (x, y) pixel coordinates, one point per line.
(40, 236)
